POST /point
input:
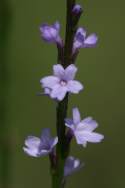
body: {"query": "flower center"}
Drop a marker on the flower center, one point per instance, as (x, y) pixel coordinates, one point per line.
(63, 82)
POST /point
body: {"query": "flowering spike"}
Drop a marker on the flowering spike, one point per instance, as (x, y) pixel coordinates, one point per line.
(37, 147)
(83, 129)
(58, 87)
(61, 82)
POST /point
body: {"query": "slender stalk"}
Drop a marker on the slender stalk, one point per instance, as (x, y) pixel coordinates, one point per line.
(65, 58)
(61, 115)
(58, 171)
(56, 182)
(60, 49)
(70, 32)
(5, 152)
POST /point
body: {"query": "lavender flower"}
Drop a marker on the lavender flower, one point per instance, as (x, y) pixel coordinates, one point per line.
(51, 33)
(83, 129)
(82, 41)
(72, 165)
(57, 85)
(77, 9)
(37, 147)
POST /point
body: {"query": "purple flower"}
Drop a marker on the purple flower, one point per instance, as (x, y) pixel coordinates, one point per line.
(72, 165)
(83, 129)
(83, 41)
(57, 85)
(77, 9)
(37, 147)
(51, 33)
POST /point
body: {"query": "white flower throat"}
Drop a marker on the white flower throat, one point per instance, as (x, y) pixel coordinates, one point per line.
(63, 83)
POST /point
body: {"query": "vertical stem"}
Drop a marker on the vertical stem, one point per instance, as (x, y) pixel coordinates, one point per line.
(70, 32)
(65, 59)
(60, 53)
(57, 176)
(4, 129)
(56, 183)
(61, 115)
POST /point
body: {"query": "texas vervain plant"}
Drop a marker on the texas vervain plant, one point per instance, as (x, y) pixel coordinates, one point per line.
(59, 86)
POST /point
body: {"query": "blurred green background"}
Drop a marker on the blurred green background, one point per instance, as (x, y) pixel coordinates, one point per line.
(25, 58)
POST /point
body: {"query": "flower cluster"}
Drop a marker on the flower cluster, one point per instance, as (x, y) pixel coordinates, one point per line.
(57, 86)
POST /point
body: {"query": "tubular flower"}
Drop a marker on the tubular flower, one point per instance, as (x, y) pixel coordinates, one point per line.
(37, 147)
(83, 129)
(57, 85)
(72, 165)
(50, 33)
(77, 9)
(83, 41)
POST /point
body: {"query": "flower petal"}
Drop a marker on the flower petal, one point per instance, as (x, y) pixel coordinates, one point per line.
(43, 152)
(45, 136)
(68, 121)
(56, 25)
(91, 40)
(92, 136)
(74, 86)
(87, 124)
(79, 39)
(58, 71)
(80, 34)
(71, 126)
(49, 81)
(31, 152)
(77, 45)
(50, 33)
(58, 92)
(80, 138)
(76, 116)
(47, 91)
(32, 142)
(70, 72)
(53, 142)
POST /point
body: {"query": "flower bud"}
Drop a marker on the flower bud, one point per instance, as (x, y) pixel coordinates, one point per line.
(50, 33)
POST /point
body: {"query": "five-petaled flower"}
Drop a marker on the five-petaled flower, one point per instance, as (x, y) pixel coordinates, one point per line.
(37, 147)
(83, 41)
(50, 33)
(61, 82)
(72, 165)
(83, 129)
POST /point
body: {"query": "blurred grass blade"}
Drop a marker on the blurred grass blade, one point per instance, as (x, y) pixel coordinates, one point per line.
(5, 153)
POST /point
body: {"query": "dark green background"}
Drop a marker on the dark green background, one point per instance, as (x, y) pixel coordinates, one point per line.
(101, 70)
